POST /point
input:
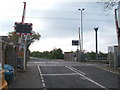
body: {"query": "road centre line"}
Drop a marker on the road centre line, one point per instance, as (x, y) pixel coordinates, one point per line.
(73, 69)
(43, 81)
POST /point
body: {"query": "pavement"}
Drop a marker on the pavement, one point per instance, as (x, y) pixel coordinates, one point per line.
(28, 79)
(46, 74)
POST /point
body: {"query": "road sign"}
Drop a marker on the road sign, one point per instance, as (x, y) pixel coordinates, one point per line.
(75, 42)
(23, 27)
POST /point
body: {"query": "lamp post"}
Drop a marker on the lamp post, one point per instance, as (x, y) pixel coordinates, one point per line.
(81, 43)
(96, 29)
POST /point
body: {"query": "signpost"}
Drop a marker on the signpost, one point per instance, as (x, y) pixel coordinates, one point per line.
(76, 43)
(23, 29)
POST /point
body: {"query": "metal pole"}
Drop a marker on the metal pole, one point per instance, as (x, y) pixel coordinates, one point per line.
(96, 29)
(25, 53)
(81, 33)
(79, 39)
(23, 16)
(81, 24)
(77, 53)
(81, 42)
(118, 31)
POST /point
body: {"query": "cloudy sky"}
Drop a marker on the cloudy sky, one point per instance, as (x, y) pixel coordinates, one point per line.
(58, 20)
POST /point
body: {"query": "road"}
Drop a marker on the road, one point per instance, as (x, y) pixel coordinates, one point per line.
(42, 73)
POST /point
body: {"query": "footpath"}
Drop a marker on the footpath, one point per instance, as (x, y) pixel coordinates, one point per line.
(28, 79)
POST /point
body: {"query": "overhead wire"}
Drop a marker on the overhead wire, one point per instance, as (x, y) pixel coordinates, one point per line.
(61, 18)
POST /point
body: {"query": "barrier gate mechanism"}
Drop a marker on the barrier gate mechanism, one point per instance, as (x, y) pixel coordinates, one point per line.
(23, 30)
(117, 51)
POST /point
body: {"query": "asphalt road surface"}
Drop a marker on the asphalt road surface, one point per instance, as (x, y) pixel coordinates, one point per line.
(46, 74)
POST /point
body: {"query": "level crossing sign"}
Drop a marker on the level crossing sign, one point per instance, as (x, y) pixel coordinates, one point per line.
(23, 28)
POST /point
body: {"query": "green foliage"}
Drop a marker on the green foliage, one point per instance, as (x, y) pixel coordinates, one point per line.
(109, 4)
(35, 36)
(91, 55)
(14, 37)
(54, 54)
(102, 56)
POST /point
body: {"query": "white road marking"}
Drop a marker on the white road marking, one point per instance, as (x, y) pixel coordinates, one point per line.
(48, 65)
(108, 70)
(43, 62)
(43, 81)
(69, 67)
(44, 85)
(60, 74)
(77, 70)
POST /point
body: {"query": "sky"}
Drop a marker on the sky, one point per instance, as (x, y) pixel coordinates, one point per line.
(57, 21)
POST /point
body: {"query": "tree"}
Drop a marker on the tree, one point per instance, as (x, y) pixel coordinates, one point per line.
(53, 54)
(102, 55)
(35, 36)
(12, 37)
(90, 55)
(57, 53)
(110, 4)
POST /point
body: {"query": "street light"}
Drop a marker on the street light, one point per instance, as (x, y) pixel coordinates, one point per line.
(96, 29)
(81, 46)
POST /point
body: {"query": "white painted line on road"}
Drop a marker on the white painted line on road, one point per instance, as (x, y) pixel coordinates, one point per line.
(43, 81)
(43, 62)
(77, 70)
(48, 65)
(107, 70)
(60, 74)
(43, 84)
(69, 67)
(73, 70)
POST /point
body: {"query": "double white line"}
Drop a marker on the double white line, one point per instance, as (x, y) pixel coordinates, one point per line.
(83, 75)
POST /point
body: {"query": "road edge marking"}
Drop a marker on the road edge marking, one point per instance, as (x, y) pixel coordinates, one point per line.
(107, 70)
(42, 78)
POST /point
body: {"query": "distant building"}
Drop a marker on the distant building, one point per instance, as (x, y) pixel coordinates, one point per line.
(69, 56)
(73, 56)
